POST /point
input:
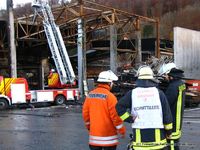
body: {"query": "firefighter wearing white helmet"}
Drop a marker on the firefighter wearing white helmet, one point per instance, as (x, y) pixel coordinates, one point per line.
(150, 113)
(107, 76)
(175, 93)
(165, 69)
(100, 116)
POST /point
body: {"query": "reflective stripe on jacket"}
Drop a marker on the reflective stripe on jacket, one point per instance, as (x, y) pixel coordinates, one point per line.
(158, 143)
(100, 117)
(149, 138)
(175, 93)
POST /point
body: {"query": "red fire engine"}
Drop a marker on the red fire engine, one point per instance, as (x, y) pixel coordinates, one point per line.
(192, 92)
(15, 90)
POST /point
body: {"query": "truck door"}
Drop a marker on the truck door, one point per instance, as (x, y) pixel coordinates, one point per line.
(18, 93)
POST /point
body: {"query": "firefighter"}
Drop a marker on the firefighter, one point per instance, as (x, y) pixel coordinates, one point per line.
(51, 72)
(146, 107)
(175, 92)
(100, 116)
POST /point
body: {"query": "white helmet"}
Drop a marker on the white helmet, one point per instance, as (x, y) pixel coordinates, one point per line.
(53, 70)
(166, 68)
(107, 76)
(145, 72)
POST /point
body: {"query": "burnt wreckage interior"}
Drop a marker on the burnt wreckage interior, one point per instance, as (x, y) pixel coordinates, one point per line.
(33, 54)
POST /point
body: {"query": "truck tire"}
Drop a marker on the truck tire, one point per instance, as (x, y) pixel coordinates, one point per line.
(60, 100)
(3, 104)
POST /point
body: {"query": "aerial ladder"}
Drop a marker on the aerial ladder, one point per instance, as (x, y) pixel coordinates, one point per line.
(56, 43)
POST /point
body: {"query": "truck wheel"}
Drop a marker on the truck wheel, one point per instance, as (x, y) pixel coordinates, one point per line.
(3, 104)
(59, 100)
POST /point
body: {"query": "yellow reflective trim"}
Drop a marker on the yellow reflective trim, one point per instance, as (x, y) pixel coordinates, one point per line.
(157, 135)
(1, 85)
(178, 107)
(7, 84)
(138, 136)
(168, 126)
(149, 145)
(149, 148)
(182, 87)
(171, 144)
(125, 116)
(176, 135)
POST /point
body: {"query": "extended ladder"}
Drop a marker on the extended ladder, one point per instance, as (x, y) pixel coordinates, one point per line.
(56, 44)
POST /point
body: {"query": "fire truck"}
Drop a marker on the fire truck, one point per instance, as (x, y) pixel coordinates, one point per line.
(14, 91)
(192, 93)
(61, 84)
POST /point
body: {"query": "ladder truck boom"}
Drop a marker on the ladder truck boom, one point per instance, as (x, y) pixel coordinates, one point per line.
(56, 44)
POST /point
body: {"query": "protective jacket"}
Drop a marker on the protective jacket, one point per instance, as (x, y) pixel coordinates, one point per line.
(101, 118)
(146, 134)
(175, 94)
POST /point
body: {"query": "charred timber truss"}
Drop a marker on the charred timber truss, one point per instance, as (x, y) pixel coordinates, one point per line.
(97, 18)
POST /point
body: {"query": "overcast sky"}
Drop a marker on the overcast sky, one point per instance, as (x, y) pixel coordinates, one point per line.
(3, 3)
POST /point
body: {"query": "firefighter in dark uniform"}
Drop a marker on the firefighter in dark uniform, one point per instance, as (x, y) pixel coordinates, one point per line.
(146, 107)
(175, 93)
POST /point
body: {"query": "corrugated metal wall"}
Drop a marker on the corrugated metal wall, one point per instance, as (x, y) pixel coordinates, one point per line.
(187, 51)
